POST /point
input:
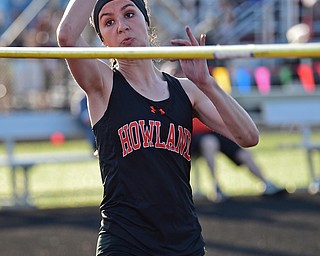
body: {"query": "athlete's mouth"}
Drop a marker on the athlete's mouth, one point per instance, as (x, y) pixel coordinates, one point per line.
(127, 41)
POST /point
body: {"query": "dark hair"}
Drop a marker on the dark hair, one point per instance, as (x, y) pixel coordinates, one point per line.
(100, 3)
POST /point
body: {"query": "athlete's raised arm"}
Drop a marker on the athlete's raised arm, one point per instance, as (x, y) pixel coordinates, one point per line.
(92, 75)
(212, 105)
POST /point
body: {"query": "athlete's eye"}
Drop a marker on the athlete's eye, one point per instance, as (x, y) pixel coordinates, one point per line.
(109, 22)
(129, 14)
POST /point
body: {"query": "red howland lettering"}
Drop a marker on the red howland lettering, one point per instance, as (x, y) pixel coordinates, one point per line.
(138, 134)
(159, 143)
(125, 141)
(170, 145)
(182, 142)
(134, 135)
(147, 133)
(186, 154)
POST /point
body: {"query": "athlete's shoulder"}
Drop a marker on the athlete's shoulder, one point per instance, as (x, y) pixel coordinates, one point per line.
(189, 88)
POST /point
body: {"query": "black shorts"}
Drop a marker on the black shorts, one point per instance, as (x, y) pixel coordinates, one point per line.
(110, 245)
(227, 147)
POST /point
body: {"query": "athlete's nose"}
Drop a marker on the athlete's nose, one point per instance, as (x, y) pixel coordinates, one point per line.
(122, 26)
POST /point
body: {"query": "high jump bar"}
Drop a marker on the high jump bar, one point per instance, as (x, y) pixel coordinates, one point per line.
(306, 50)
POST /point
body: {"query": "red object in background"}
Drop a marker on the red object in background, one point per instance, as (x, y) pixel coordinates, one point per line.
(57, 138)
(199, 127)
(305, 73)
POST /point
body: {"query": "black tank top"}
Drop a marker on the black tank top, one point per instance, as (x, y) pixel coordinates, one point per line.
(144, 156)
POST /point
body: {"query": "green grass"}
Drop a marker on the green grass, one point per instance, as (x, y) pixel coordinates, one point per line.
(79, 184)
(60, 184)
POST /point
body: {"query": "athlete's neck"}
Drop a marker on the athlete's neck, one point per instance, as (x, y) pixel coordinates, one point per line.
(145, 78)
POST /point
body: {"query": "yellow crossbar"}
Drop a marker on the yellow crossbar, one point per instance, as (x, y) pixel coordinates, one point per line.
(308, 50)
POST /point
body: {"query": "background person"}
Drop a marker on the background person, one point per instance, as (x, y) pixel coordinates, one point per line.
(79, 108)
(208, 144)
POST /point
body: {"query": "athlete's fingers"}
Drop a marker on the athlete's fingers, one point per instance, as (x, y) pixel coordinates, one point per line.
(180, 42)
(193, 40)
(203, 39)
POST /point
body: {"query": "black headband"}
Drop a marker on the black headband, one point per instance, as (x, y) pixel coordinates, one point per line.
(100, 3)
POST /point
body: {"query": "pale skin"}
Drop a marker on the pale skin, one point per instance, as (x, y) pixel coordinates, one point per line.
(123, 25)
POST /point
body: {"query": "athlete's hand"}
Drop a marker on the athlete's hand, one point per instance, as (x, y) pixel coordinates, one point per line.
(194, 69)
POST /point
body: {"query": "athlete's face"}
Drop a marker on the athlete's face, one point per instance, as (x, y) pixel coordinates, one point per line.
(122, 24)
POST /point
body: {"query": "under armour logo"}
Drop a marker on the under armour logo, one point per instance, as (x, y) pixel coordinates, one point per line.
(154, 110)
